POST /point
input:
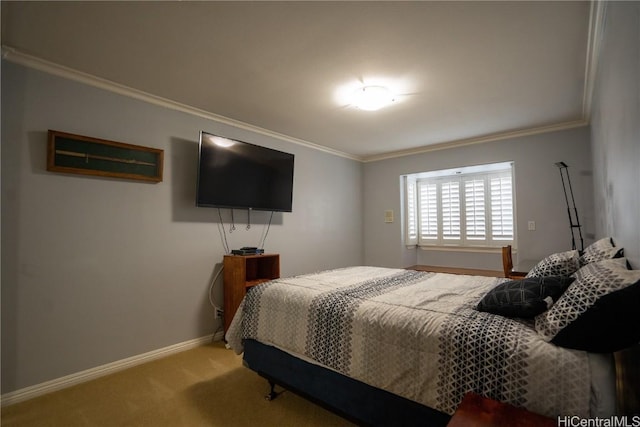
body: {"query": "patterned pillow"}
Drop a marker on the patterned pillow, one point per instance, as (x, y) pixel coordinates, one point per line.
(598, 312)
(524, 298)
(559, 264)
(599, 250)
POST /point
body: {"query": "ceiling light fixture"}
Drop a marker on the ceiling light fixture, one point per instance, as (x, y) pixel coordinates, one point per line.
(372, 98)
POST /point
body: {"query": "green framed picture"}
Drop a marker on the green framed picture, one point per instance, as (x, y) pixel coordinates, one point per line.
(69, 153)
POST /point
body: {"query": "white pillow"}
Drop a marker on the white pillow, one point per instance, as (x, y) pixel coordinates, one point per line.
(599, 250)
(558, 264)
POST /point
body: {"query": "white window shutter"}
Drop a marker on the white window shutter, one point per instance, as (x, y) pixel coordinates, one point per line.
(475, 214)
(411, 209)
(450, 201)
(428, 208)
(502, 224)
(461, 208)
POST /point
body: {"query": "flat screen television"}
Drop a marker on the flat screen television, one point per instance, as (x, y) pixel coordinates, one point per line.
(236, 174)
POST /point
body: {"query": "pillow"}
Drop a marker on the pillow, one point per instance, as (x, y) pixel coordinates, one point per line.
(559, 264)
(598, 312)
(599, 250)
(524, 298)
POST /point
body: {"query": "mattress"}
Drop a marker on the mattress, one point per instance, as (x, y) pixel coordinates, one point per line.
(419, 335)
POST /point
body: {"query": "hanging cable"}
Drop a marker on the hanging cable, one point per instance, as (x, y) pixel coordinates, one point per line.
(248, 219)
(223, 234)
(211, 285)
(264, 238)
(233, 223)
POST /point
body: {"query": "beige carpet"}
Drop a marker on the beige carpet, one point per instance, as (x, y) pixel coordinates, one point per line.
(205, 386)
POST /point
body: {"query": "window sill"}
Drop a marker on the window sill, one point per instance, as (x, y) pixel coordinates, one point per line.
(476, 249)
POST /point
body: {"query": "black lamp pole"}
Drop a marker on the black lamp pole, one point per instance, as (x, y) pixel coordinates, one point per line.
(572, 211)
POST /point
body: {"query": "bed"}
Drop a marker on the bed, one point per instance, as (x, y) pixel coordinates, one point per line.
(372, 343)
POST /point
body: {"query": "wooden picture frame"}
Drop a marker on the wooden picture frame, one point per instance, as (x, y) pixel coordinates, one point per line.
(78, 154)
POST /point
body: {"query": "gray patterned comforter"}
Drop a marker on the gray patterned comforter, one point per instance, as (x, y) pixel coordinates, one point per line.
(414, 334)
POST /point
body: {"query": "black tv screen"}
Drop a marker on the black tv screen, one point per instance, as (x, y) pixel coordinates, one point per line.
(236, 174)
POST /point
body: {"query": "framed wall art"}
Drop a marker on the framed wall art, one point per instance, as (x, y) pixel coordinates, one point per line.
(69, 153)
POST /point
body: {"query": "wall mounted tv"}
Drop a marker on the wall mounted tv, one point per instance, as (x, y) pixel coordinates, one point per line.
(236, 174)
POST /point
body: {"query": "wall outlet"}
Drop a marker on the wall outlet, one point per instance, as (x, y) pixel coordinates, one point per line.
(218, 313)
(531, 225)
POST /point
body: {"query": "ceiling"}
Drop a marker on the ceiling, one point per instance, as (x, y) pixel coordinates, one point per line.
(464, 71)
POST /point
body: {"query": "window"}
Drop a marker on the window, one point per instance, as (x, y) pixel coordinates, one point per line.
(470, 206)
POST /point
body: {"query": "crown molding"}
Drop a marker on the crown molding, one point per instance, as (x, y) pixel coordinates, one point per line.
(479, 140)
(596, 29)
(16, 56)
(597, 17)
(597, 14)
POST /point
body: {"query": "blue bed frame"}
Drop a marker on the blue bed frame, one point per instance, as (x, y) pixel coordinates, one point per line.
(351, 399)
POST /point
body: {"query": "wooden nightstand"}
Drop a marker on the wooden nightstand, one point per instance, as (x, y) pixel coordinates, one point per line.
(242, 272)
(478, 411)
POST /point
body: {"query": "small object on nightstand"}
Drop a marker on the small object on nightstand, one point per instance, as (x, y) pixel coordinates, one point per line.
(479, 411)
(247, 251)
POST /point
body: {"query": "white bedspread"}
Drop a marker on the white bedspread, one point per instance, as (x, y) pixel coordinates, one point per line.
(417, 335)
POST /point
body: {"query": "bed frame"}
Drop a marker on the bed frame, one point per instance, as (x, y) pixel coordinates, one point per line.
(352, 399)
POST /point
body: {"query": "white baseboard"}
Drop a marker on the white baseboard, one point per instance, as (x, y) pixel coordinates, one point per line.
(99, 371)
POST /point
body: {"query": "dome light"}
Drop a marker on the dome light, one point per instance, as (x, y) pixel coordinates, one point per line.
(372, 98)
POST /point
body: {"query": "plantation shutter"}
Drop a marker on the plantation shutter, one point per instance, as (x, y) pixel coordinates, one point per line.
(411, 237)
(450, 201)
(468, 207)
(502, 224)
(474, 206)
(428, 211)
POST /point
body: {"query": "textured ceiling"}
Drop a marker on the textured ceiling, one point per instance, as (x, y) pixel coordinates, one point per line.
(464, 70)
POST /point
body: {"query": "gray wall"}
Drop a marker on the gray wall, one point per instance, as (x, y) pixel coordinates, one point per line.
(615, 130)
(615, 136)
(538, 188)
(98, 270)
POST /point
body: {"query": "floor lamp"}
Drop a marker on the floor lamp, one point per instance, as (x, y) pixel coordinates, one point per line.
(572, 211)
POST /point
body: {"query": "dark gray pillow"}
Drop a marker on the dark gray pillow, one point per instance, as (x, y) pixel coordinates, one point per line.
(524, 298)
